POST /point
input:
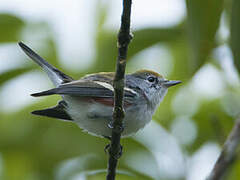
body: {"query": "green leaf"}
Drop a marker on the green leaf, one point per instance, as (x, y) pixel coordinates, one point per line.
(235, 36)
(203, 21)
(147, 37)
(107, 44)
(212, 122)
(233, 172)
(106, 51)
(181, 61)
(10, 28)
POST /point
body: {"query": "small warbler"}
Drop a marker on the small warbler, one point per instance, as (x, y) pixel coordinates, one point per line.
(89, 101)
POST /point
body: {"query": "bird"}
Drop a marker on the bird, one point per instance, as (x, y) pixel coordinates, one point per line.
(89, 101)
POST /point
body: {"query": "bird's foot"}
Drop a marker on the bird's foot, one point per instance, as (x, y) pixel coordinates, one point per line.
(107, 149)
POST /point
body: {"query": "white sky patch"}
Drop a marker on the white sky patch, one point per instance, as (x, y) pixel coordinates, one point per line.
(159, 13)
(184, 129)
(190, 105)
(156, 58)
(231, 103)
(201, 163)
(224, 55)
(165, 150)
(10, 57)
(79, 177)
(223, 30)
(208, 82)
(135, 161)
(16, 93)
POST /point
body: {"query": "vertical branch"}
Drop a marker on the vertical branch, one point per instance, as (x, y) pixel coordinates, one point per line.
(228, 153)
(124, 39)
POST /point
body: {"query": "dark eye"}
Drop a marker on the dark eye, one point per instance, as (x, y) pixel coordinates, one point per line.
(151, 79)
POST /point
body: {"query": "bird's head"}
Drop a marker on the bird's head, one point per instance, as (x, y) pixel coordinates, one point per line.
(153, 85)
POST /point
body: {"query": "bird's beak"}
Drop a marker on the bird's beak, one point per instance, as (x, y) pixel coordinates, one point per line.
(171, 83)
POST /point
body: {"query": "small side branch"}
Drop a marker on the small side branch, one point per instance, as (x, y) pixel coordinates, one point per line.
(228, 154)
(124, 39)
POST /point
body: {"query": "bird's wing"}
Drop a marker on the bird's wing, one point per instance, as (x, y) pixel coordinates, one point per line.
(85, 88)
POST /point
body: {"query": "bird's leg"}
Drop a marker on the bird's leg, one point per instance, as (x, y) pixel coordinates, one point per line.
(107, 148)
(108, 145)
(120, 152)
(118, 129)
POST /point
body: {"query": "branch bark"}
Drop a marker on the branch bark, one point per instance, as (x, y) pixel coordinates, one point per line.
(124, 39)
(228, 154)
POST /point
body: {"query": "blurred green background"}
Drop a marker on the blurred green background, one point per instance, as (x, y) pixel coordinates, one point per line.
(195, 41)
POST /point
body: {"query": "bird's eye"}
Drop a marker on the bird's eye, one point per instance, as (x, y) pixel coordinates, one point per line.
(151, 79)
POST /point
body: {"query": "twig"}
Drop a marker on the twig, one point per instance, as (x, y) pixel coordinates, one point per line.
(228, 153)
(124, 39)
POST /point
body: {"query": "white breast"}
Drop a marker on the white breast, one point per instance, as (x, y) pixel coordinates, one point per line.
(83, 114)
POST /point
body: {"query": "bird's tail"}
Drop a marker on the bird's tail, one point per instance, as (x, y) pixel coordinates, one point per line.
(56, 76)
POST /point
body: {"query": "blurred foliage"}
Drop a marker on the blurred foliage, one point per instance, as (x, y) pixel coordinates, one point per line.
(235, 36)
(7, 76)
(203, 21)
(33, 147)
(11, 27)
